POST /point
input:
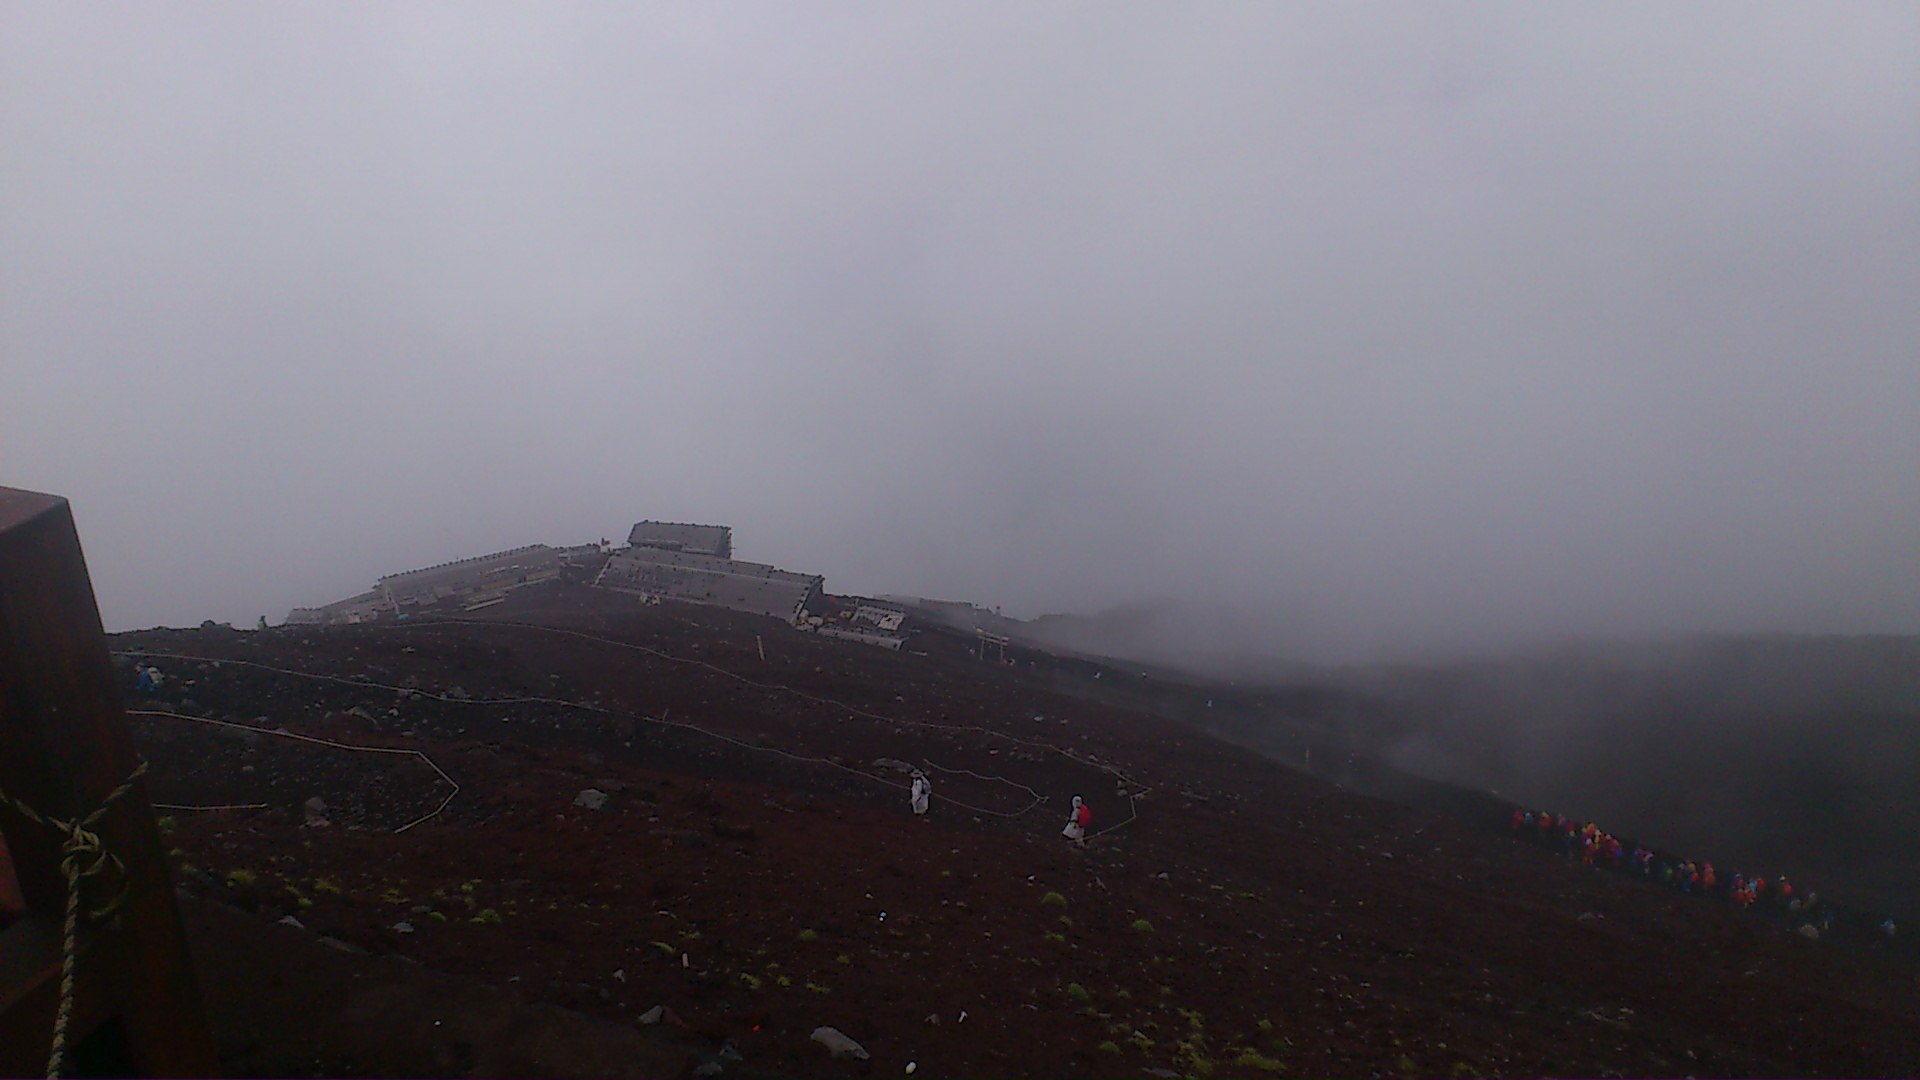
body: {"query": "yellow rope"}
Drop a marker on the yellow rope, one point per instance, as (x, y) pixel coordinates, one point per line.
(81, 856)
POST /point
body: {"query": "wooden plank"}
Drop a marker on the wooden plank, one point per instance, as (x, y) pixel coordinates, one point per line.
(63, 749)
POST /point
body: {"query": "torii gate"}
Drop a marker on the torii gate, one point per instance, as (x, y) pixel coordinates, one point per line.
(134, 1007)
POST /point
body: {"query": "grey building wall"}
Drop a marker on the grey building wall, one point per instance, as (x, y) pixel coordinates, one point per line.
(715, 540)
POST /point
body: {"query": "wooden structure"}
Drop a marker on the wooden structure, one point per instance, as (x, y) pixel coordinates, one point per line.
(63, 749)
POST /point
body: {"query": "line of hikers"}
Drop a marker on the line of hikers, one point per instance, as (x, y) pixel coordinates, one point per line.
(1807, 913)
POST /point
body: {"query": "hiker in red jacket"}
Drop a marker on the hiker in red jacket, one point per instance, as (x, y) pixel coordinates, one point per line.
(1076, 829)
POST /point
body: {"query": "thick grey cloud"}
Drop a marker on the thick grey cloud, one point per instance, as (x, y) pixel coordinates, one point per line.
(1402, 326)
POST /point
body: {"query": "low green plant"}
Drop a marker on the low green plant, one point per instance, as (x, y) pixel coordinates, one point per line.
(392, 896)
(1142, 926)
(1078, 993)
(843, 958)
(782, 981)
(326, 885)
(1108, 1047)
(1191, 1053)
(238, 878)
(1053, 899)
(1140, 1039)
(753, 981)
(817, 988)
(809, 934)
(486, 917)
(666, 949)
(1053, 938)
(1254, 1059)
(166, 826)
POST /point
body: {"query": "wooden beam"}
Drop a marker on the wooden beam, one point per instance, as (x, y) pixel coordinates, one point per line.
(63, 749)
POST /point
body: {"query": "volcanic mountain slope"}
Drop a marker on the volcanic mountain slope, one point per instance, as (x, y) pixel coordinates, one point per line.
(754, 869)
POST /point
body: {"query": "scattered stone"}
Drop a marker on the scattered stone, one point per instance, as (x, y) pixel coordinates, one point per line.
(838, 1044)
(1809, 931)
(316, 811)
(591, 798)
(660, 1014)
(288, 920)
(729, 1053)
(458, 693)
(1166, 1074)
(892, 763)
(403, 927)
(360, 712)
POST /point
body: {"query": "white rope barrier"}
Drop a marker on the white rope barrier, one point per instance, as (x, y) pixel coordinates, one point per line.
(322, 742)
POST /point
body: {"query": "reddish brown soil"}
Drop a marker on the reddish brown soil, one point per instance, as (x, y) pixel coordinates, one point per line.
(1248, 920)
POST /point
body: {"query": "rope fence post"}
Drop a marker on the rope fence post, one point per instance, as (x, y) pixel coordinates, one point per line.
(119, 987)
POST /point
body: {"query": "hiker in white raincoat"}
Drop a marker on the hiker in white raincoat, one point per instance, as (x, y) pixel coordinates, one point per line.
(1076, 829)
(921, 790)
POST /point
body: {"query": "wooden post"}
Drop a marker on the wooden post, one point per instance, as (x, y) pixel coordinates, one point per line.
(63, 748)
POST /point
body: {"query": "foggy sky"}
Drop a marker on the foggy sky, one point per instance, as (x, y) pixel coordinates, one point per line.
(1391, 326)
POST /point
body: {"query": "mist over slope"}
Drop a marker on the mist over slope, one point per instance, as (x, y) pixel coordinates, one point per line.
(1786, 753)
(1791, 754)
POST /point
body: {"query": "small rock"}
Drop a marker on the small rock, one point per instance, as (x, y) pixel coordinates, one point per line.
(316, 811)
(838, 1044)
(288, 920)
(591, 798)
(1168, 1074)
(660, 1014)
(458, 693)
(403, 927)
